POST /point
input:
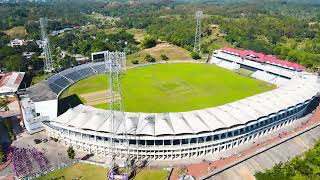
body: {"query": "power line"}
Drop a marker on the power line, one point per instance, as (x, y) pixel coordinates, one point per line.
(197, 37)
(48, 62)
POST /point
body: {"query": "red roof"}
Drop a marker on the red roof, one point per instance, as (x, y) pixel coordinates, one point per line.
(10, 82)
(260, 57)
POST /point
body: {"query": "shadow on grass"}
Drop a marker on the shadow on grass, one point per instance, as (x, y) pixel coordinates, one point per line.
(68, 102)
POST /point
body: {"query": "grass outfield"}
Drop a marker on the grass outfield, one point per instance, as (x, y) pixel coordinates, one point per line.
(79, 170)
(92, 172)
(176, 87)
(151, 174)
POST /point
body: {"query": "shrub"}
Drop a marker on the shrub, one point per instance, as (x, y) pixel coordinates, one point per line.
(134, 61)
(149, 58)
(164, 57)
(8, 127)
(70, 152)
(2, 154)
(149, 42)
(195, 55)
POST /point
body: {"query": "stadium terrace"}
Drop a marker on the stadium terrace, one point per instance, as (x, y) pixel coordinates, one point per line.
(173, 136)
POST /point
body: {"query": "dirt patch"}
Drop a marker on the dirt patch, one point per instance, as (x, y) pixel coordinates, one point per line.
(98, 97)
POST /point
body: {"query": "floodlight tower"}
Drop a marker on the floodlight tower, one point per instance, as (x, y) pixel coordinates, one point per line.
(116, 65)
(48, 62)
(197, 37)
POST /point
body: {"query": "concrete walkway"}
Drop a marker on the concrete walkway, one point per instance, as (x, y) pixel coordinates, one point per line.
(266, 150)
(269, 158)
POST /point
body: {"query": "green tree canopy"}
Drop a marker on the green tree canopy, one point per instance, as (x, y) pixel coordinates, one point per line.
(149, 42)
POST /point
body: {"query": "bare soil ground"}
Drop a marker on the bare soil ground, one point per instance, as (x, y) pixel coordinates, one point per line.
(96, 98)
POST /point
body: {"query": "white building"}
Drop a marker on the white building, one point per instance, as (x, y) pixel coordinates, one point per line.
(31, 119)
(17, 42)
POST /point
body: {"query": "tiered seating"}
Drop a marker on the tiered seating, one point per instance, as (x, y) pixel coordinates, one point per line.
(59, 80)
(215, 60)
(86, 72)
(264, 64)
(100, 68)
(252, 64)
(72, 74)
(264, 76)
(55, 88)
(229, 65)
(280, 71)
(280, 81)
(65, 78)
(229, 57)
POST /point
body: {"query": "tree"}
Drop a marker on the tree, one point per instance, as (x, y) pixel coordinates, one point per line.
(2, 154)
(149, 58)
(135, 61)
(4, 105)
(32, 47)
(182, 171)
(149, 42)
(14, 63)
(195, 55)
(164, 57)
(71, 153)
(5, 52)
(7, 126)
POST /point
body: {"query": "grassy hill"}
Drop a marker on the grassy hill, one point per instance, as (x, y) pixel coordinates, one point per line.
(16, 32)
(172, 51)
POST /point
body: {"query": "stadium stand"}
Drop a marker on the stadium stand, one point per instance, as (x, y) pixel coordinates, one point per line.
(228, 65)
(257, 61)
(72, 75)
(99, 68)
(55, 84)
(264, 76)
(181, 135)
(59, 80)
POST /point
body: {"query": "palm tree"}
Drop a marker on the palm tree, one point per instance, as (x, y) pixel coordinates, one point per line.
(4, 105)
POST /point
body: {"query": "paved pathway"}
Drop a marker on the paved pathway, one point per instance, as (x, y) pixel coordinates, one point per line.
(269, 158)
(201, 170)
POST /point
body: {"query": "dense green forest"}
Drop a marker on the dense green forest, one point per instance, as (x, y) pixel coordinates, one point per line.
(300, 167)
(289, 29)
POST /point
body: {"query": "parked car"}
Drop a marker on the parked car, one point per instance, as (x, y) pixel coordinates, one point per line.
(37, 141)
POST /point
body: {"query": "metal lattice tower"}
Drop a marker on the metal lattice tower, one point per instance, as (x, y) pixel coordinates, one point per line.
(197, 37)
(116, 65)
(48, 62)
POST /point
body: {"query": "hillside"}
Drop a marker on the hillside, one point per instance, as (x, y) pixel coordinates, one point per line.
(171, 51)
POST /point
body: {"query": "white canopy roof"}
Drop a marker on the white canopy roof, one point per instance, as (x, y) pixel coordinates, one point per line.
(298, 90)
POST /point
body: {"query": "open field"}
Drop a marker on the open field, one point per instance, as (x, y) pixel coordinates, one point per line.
(151, 174)
(91, 172)
(16, 32)
(175, 87)
(170, 50)
(79, 170)
(139, 34)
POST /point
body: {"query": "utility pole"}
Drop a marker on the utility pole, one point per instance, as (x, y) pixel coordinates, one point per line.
(197, 37)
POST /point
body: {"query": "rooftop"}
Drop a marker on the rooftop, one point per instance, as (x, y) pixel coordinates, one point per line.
(241, 112)
(260, 57)
(10, 82)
